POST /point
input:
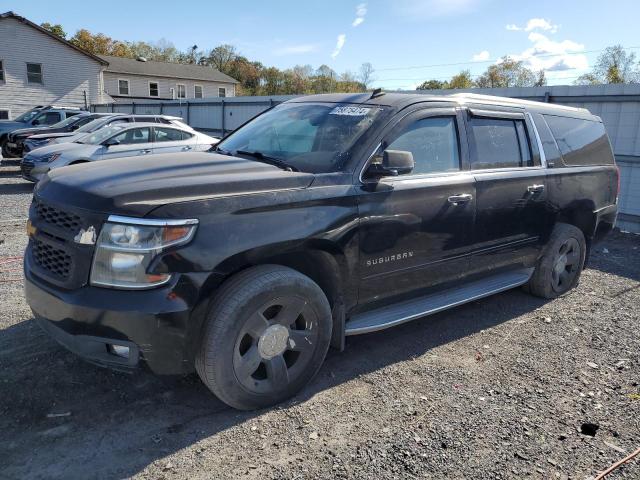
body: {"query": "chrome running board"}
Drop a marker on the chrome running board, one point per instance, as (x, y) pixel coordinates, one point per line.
(392, 315)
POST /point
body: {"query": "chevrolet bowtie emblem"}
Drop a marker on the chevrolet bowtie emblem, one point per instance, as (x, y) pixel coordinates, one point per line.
(86, 237)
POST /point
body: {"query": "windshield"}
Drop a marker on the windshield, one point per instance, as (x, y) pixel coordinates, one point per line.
(93, 125)
(26, 116)
(68, 121)
(101, 135)
(311, 137)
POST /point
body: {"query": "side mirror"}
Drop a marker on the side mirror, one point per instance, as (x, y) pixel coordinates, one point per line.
(35, 123)
(110, 142)
(74, 127)
(394, 163)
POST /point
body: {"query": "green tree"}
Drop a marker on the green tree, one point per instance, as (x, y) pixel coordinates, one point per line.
(433, 85)
(55, 29)
(614, 65)
(461, 80)
(507, 73)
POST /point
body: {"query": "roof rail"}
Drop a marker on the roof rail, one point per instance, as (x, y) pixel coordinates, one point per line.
(509, 101)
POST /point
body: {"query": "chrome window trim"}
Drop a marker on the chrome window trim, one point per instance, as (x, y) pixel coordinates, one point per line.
(152, 222)
(543, 158)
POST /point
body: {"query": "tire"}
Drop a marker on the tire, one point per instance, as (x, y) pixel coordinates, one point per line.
(561, 264)
(265, 337)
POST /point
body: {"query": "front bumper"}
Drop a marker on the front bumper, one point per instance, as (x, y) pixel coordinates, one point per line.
(157, 325)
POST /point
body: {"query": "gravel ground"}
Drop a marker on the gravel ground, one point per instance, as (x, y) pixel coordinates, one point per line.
(508, 387)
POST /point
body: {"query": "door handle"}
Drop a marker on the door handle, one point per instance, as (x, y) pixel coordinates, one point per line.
(144, 152)
(535, 188)
(460, 199)
(186, 148)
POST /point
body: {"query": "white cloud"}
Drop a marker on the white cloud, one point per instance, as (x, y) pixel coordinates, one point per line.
(361, 11)
(542, 24)
(296, 49)
(417, 10)
(549, 55)
(482, 56)
(534, 24)
(339, 44)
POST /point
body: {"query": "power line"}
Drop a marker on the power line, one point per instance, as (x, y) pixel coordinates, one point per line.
(471, 62)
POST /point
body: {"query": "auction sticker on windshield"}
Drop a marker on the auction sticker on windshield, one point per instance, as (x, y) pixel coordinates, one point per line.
(351, 111)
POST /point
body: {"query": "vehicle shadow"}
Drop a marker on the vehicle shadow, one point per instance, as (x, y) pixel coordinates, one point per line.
(74, 414)
(612, 256)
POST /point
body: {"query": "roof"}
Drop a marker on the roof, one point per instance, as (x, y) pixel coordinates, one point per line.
(52, 35)
(401, 100)
(164, 69)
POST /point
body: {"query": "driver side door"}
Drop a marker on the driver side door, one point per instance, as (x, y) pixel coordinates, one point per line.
(416, 229)
(131, 142)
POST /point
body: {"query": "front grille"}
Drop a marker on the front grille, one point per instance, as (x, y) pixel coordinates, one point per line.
(52, 259)
(61, 219)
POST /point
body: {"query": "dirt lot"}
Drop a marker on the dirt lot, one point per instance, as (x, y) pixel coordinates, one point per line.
(507, 387)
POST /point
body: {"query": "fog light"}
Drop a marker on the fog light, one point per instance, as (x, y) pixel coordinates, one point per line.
(119, 350)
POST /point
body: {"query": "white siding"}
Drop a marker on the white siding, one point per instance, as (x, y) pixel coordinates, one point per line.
(139, 86)
(67, 73)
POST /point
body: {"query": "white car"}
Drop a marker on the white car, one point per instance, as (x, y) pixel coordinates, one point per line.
(116, 141)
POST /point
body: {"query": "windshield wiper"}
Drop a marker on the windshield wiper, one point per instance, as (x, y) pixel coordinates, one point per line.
(261, 157)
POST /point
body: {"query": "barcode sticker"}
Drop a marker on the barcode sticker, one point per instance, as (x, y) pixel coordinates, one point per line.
(351, 111)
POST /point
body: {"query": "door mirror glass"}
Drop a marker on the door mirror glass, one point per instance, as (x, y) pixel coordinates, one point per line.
(36, 122)
(394, 163)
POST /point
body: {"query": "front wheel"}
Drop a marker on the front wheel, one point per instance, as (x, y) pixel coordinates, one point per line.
(266, 335)
(559, 268)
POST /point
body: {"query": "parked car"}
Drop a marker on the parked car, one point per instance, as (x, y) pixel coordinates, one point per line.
(38, 116)
(324, 217)
(14, 147)
(106, 119)
(116, 141)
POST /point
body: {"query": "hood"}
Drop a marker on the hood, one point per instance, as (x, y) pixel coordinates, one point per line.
(27, 132)
(40, 136)
(9, 125)
(62, 148)
(134, 187)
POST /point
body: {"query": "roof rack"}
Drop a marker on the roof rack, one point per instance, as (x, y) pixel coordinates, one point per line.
(509, 101)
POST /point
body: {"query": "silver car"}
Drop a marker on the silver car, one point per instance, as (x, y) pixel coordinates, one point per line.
(116, 141)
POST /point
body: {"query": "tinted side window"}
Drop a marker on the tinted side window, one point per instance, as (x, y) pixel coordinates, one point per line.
(135, 135)
(49, 118)
(433, 142)
(581, 142)
(167, 135)
(499, 143)
(551, 151)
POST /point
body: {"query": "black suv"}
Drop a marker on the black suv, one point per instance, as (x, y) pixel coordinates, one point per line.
(326, 216)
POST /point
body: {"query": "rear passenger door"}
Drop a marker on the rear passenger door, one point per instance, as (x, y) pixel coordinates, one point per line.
(511, 217)
(168, 140)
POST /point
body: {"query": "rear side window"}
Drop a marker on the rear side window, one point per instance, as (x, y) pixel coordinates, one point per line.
(167, 135)
(581, 142)
(499, 143)
(433, 142)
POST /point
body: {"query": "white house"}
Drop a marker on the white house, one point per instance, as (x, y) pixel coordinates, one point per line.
(40, 68)
(127, 80)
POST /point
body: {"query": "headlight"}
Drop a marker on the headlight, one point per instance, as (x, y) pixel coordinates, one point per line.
(127, 246)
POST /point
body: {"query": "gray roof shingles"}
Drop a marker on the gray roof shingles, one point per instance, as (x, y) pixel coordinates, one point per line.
(163, 69)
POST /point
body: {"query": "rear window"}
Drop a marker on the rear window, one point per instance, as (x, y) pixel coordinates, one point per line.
(581, 142)
(499, 143)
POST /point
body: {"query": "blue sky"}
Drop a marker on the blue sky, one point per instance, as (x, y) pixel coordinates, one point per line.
(401, 38)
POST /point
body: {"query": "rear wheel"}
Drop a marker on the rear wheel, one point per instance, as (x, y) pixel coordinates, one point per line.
(266, 336)
(559, 268)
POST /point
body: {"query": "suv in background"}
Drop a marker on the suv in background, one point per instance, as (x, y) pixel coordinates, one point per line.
(38, 116)
(104, 120)
(14, 147)
(323, 217)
